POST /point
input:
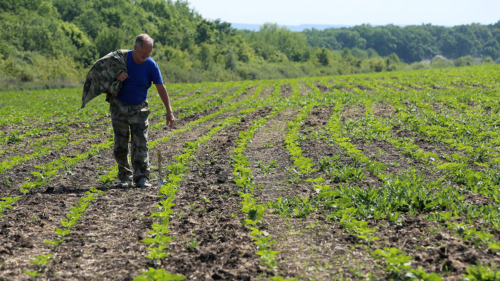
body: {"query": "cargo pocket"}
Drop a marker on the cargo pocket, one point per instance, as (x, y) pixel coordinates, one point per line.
(144, 113)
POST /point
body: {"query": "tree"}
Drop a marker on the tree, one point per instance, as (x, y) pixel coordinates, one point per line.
(464, 61)
(323, 56)
(108, 40)
(206, 55)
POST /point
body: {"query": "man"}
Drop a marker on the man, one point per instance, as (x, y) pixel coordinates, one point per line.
(130, 110)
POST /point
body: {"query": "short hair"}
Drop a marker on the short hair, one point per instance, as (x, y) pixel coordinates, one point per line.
(141, 38)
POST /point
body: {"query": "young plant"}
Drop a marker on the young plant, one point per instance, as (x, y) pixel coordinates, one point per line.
(33, 274)
(158, 275)
(42, 261)
(397, 261)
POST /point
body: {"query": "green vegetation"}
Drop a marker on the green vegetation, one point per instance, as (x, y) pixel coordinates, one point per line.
(53, 43)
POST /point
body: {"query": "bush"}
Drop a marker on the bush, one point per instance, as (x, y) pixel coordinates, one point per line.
(441, 62)
(464, 61)
(418, 65)
(487, 60)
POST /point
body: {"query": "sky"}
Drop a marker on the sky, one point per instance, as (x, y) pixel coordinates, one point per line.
(351, 12)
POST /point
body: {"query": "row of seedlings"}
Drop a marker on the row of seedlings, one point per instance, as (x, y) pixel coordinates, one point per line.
(243, 177)
(72, 219)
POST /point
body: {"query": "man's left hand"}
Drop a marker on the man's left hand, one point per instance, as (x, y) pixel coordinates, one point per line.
(170, 119)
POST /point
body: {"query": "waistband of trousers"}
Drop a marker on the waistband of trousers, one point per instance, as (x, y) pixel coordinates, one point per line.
(141, 105)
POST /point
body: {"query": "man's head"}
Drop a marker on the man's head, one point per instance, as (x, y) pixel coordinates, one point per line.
(143, 47)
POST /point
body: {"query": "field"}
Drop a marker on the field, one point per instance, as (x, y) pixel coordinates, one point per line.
(377, 176)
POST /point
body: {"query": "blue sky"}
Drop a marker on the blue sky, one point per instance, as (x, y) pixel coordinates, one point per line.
(351, 12)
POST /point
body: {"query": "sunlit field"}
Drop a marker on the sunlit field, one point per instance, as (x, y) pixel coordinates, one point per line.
(386, 175)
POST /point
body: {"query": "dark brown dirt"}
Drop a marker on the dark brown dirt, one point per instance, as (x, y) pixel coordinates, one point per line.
(437, 87)
(304, 89)
(476, 86)
(385, 110)
(399, 89)
(352, 111)
(322, 88)
(363, 88)
(347, 89)
(286, 90)
(412, 87)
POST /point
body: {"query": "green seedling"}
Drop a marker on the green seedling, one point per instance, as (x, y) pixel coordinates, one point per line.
(304, 207)
(54, 243)
(156, 254)
(494, 246)
(439, 217)
(482, 273)
(346, 174)
(33, 274)
(375, 167)
(6, 204)
(42, 261)
(278, 278)
(193, 244)
(268, 257)
(327, 163)
(397, 261)
(69, 223)
(263, 243)
(282, 206)
(266, 169)
(158, 275)
(62, 233)
(292, 175)
(158, 239)
(305, 165)
(420, 275)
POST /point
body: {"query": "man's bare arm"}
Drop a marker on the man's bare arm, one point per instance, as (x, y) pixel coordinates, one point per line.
(162, 91)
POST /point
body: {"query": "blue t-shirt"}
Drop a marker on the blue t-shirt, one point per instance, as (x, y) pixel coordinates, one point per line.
(135, 88)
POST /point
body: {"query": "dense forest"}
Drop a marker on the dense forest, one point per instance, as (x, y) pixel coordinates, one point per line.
(413, 43)
(54, 42)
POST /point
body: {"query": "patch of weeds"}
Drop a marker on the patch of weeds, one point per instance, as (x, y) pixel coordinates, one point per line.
(266, 169)
(193, 244)
(268, 144)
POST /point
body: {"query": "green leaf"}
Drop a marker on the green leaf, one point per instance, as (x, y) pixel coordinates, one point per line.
(32, 273)
(158, 275)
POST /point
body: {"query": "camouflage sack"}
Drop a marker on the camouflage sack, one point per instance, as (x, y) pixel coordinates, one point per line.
(102, 76)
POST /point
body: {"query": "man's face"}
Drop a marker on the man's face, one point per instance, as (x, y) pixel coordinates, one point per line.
(142, 53)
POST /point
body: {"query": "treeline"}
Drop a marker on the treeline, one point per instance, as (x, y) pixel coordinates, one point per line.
(44, 43)
(413, 43)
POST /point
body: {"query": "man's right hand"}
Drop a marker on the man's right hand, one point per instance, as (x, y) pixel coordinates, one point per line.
(122, 76)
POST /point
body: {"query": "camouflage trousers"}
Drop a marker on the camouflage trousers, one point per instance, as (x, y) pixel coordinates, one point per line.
(130, 120)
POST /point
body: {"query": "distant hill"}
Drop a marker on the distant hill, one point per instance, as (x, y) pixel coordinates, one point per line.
(302, 27)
